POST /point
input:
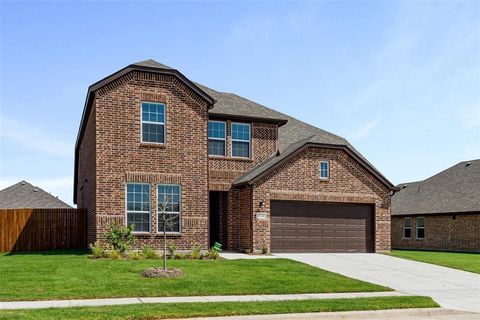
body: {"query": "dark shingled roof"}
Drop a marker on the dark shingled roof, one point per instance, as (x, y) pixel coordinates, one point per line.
(454, 190)
(24, 195)
(293, 134)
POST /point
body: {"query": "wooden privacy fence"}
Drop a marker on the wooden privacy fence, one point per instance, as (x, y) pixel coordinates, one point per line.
(42, 229)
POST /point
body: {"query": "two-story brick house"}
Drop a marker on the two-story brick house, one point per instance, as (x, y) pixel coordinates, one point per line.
(230, 170)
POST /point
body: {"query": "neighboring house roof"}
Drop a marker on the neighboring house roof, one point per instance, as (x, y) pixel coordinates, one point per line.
(293, 134)
(454, 190)
(24, 195)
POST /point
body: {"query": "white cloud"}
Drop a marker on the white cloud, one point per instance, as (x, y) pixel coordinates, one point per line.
(28, 137)
(365, 130)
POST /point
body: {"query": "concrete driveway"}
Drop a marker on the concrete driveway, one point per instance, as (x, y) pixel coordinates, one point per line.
(450, 288)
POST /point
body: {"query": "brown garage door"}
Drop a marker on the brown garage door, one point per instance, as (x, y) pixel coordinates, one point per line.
(320, 227)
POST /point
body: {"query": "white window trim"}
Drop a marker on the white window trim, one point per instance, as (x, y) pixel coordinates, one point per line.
(149, 204)
(179, 213)
(405, 227)
(328, 170)
(250, 156)
(417, 228)
(219, 139)
(153, 122)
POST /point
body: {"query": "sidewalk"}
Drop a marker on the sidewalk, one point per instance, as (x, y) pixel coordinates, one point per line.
(119, 301)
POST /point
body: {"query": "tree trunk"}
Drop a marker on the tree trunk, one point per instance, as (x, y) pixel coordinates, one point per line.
(164, 244)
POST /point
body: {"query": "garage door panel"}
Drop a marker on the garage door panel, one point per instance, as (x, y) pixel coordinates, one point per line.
(320, 227)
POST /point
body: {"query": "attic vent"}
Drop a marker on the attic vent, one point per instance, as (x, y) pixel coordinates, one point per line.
(35, 189)
(404, 186)
(23, 183)
(467, 164)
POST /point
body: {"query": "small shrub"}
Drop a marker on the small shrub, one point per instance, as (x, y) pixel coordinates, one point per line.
(134, 255)
(213, 254)
(196, 252)
(264, 250)
(121, 238)
(97, 250)
(179, 256)
(114, 254)
(149, 252)
(246, 251)
(171, 248)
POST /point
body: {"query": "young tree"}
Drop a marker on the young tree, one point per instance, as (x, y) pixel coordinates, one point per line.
(167, 221)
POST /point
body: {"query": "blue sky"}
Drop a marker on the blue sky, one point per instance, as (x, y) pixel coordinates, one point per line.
(400, 80)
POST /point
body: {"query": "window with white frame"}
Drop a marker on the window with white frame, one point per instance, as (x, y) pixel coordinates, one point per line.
(324, 170)
(407, 228)
(420, 228)
(216, 138)
(169, 211)
(240, 140)
(153, 122)
(138, 206)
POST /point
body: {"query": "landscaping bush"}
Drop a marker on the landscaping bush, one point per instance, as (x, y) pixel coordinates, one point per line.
(114, 254)
(213, 254)
(264, 250)
(149, 252)
(97, 250)
(196, 252)
(121, 238)
(171, 248)
(134, 255)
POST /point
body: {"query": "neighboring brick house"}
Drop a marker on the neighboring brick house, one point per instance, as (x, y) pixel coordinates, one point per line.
(441, 212)
(233, 171)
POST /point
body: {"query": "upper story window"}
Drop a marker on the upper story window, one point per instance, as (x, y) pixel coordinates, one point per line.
(420, 228)
(153, 122)
(168, 203)
(138, 206)
(324, 170)
(216, 138)
(407, 228)
(240, 140)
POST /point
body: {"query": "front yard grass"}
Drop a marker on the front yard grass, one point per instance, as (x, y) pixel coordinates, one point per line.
(72, 275)
(463, 261)
(185, 310)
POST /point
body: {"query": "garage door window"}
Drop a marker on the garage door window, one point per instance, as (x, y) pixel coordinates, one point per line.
(407, 228)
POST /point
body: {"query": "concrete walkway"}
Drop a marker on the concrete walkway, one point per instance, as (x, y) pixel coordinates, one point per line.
(450, 288)
(397, 314)
(119, 301)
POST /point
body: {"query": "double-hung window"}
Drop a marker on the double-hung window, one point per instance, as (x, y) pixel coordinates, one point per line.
(407, 228)
(324, 170)
(168, 203)
(153, 122)
(240, 140)
(420, 228)
(216, 138)
(138, 206)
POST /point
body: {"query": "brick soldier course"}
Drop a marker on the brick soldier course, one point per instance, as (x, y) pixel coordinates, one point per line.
(283, 164)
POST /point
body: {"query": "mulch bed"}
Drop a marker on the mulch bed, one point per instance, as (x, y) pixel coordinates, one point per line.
(161, 273)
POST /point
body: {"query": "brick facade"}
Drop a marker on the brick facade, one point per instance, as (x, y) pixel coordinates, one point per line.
(111, 154)
(447, 232)
(298, 179)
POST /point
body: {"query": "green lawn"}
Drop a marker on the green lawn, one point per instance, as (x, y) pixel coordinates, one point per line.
(71, 274)
(463, 261)
(184, 310)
